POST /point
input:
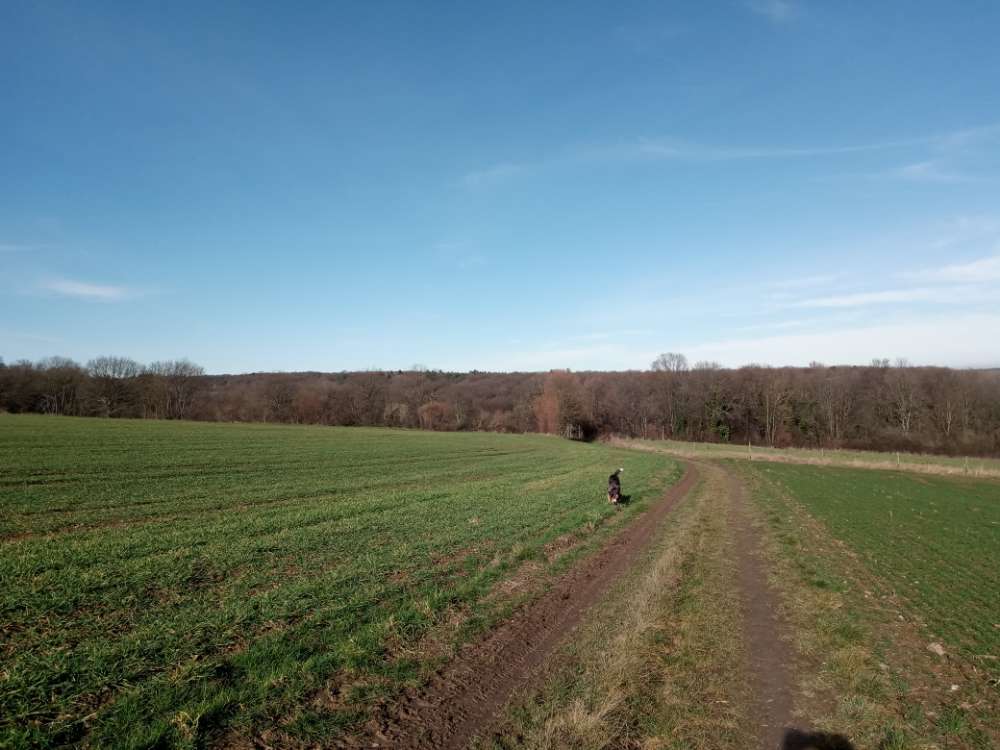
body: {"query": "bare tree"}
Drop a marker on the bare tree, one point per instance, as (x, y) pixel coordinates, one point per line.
(281, 400)
(878, 407)
(113, 380)
(670, 362)
(180, 380)
(63, 382)
(903, 398)
(836, 399)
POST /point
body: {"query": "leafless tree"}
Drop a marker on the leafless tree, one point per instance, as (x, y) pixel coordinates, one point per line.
(877, 407)
(670, 362)
(179, 378)
(114, 384)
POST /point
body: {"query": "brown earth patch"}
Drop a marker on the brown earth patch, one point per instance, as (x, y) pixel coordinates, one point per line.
(527, 576)
(560, 546)
(770, 655)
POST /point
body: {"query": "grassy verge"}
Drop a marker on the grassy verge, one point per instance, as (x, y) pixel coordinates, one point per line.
(170, 584)
(659, 663)
(922, 463)
(867, 671)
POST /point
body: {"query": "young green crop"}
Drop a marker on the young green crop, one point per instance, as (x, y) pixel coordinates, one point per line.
(165, 583)
(936, 540)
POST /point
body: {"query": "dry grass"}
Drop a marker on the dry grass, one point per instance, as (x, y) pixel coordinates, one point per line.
(911, 462)
(657, 665)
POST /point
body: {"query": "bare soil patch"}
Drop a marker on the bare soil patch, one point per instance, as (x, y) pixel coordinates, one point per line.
(770, 655)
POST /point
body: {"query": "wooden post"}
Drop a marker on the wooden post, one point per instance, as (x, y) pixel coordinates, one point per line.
(749, 450)
(897, 459)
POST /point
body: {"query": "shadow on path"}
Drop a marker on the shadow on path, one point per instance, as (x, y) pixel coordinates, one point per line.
(798, 740)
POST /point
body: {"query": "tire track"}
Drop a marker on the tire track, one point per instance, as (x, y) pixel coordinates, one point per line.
(465, 697)
(770, 656)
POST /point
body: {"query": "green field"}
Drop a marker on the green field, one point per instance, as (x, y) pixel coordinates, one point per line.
(169, 584)
(934, 540)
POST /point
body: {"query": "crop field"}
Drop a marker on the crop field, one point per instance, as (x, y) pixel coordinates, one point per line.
(177, 584)
(935, 540)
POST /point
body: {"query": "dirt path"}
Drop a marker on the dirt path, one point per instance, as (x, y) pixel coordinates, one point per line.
(770, 660)
(464, 698)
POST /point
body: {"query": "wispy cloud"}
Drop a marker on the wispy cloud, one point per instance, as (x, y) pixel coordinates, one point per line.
(967, 137)
(669, 148)
(806, 281)
(777, 11)
(926, 171)
(493, 175)
(608, 335)
(86, 290)
(672, 148)
(946, 295)
(946, 147)
(956, 340)
(966, 229)
(979, 271)
(822, 322)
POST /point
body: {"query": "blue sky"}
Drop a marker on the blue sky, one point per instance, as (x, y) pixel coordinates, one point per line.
(328, 186)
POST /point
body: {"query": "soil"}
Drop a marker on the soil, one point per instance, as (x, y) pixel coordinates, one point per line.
(467, 695)
(770, 655)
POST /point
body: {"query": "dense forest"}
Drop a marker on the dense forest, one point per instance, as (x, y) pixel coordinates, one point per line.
(882, 406)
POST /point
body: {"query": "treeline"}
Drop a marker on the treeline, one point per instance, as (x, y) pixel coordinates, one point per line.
(105, 387)
(878, 407)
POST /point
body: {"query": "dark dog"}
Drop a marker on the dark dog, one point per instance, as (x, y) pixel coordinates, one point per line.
(615, 488)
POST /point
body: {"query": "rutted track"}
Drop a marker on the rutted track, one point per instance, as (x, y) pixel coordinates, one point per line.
(464, 698)
(770, 654)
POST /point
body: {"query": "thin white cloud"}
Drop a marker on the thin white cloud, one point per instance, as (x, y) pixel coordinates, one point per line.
(976, 272)
(669, 148)
(806, 281)
(86, 290)
(606, 335)
(956, 340)
(674, 149)
(492, 175)
(966, 137)
(820, 323)
(777, 11)
(891, 296)
(966, 229)
(926, 171)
